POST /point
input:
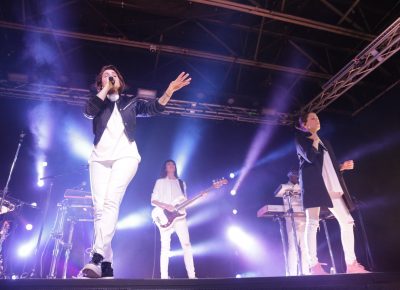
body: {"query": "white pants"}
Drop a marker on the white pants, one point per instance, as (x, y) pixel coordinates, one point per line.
(300, 226)
(346, 223)
(181, 229)
(109, 180)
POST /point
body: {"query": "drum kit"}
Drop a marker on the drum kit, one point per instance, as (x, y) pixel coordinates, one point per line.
(6, 207)
(75, 207)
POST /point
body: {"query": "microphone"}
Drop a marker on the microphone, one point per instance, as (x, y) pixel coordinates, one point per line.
(111, 79)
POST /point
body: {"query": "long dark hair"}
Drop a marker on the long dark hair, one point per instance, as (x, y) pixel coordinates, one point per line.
(164, 169)
(99, 84)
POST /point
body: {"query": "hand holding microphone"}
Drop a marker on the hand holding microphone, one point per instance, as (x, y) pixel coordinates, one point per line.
(110, 84)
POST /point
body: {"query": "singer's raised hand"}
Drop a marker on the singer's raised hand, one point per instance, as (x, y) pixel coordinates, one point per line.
(181, 81)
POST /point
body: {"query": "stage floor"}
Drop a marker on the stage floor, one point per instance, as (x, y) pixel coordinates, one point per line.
(373, 281)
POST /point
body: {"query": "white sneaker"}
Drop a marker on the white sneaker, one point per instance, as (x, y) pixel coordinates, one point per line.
(91, 270)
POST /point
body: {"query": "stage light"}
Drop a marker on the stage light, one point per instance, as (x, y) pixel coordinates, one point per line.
(14, 277)
(246, 243)
(79, 143)
(187, 137)
(28, 227)
(234, 211)
(203, 216)
(233, 192)
(180, 162)
(370, 148)
(279, 101)
(134, 220)
(234, 233)
(232, 175)
(247, 275)
(40, 169)
(212, 246)
(283, 151)
(26, 249)
(33, 204)
(41, 126)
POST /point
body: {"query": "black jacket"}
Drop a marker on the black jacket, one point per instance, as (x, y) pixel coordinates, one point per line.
(312, 184)
(100, 111)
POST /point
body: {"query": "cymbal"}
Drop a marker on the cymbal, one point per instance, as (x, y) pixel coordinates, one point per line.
(7, 206)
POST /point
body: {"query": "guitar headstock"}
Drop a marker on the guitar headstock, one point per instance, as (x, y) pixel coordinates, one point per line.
(219, 182)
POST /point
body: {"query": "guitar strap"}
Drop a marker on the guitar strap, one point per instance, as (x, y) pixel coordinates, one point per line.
(182, 187)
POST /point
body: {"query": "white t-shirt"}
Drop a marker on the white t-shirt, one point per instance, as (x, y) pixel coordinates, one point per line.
(114, 144)
(330, 177)
(168, 191)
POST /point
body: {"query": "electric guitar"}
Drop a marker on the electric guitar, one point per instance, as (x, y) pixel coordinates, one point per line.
(165, 219)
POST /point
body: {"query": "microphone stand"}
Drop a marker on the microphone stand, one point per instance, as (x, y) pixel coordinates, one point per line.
(370, 260)
(45, 213)
(5, 190)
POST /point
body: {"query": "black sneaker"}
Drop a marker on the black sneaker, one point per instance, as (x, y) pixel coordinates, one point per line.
(92, 269)
(107, 271)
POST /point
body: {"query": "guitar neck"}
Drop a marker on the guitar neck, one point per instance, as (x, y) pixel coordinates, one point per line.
(193, 199)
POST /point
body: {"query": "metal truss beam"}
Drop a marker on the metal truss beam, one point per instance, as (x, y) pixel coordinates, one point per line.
(375, 54)
(279, 16)
(376, 98)
(343, 15)
(78, 97)
(163, 48)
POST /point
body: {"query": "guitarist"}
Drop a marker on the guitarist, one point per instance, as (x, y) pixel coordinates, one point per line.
(168, 191)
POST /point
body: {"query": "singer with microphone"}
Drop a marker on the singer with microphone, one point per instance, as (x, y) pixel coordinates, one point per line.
(322, 185)
(115, 157)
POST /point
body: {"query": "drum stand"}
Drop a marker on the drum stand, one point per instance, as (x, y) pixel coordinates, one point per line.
(288, 195)
(65, 217)
(57, 234)
(68, 247)
(328, 240)
(283, 240)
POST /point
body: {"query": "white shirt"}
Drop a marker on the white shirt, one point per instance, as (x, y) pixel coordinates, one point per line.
(114, 144)
(330, 177)
(168, 191)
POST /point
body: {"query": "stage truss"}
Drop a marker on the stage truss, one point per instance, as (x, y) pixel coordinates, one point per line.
(78, 97)
(374, 55)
